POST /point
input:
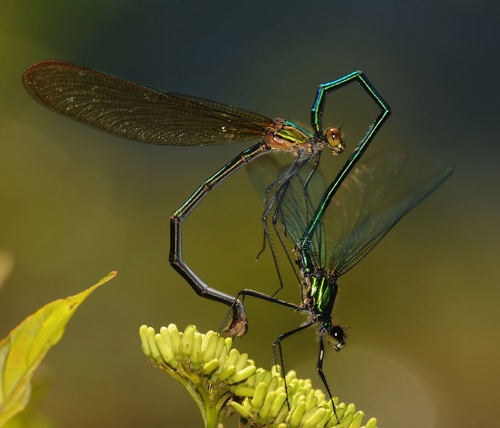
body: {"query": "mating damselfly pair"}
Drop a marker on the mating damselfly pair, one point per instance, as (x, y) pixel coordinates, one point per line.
(297, 202)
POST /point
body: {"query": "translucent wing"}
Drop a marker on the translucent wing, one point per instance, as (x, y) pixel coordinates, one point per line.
(356, 204)
(295, 200)
(371, 227)
(358, 216)
(136, 112)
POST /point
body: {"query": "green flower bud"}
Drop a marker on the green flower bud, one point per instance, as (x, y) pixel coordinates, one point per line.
(351, 408)
(210, 367)
(265, 411)
(243, 391)
(372, 423)
(227, 373)
(196, 351)
(166, 336)
(232, 358)
(154, 351)
(163, 348)
(318, 418)
(209, 346)
(346, 420)
(144, 343)
(245, 413)
(242, 360)
(297, 412)
(259, 395)
(357, 420)
(174, 338)
(187, 341)
(279, 401)
(243, 374)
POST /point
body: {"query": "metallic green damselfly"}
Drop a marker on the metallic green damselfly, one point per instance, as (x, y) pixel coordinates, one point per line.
(330, 229)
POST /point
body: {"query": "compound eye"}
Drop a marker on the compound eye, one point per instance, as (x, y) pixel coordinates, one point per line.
(337, 337)
(335, 141)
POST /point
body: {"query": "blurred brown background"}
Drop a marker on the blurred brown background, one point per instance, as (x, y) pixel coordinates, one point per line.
(422, 309)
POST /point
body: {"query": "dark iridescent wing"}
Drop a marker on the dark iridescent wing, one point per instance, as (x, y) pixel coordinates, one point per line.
(358, 216)
(136, 112)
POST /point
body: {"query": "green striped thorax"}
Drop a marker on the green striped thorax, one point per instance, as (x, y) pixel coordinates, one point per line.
(320, 289)
(323, 291)
(286, 135)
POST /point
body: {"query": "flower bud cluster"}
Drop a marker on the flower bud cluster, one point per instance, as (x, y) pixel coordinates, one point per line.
(208, 364)
(206, 358)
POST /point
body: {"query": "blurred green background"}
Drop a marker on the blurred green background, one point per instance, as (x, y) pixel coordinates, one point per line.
(422, 309)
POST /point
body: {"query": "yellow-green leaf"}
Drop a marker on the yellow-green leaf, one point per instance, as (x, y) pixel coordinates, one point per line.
(24, 348)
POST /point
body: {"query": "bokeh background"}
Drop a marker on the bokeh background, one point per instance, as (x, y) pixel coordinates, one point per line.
(422, 309)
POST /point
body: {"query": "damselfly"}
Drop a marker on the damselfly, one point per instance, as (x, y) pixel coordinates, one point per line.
(329, 242)
(138, 113)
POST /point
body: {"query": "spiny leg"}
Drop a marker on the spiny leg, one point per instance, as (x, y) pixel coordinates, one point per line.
(277, 345)
(319, 369)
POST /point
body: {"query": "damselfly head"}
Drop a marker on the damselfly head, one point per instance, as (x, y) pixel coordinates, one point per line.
(336, 337)
(335, 141)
